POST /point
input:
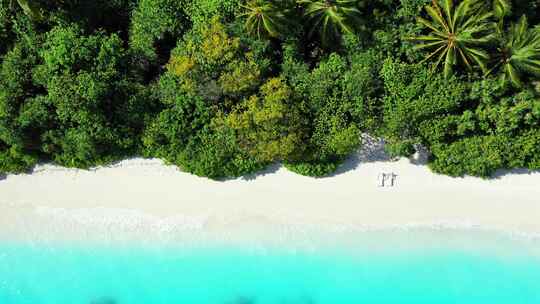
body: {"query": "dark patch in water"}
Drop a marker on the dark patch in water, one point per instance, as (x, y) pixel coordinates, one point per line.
(242, 300)
(105, 300)
(251, 300)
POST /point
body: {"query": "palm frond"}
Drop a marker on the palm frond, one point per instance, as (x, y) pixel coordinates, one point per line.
(31, 9)
(264, 18)
(502, 8)
(519, 53)
(331, 18)
(459, 31)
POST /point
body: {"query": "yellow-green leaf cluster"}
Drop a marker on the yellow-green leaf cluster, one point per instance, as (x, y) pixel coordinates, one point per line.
(210, 57)
(268, 125)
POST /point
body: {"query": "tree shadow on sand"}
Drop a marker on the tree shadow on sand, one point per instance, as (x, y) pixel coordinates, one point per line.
(270, 169)
(371, 150)
(518, 171)
(421, 157)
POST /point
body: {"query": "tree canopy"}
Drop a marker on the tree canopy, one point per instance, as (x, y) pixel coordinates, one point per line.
(223, 88)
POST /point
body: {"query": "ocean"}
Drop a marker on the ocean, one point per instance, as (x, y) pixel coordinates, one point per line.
(506, 271)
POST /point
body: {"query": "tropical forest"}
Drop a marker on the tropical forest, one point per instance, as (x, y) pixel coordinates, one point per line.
(225, 88)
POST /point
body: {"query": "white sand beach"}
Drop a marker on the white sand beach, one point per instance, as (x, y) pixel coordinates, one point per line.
(145, 197)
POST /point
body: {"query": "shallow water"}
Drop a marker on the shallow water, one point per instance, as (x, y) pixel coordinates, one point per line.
(97, 274)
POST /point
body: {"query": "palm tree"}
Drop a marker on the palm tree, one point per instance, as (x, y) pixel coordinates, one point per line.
(502, 8)
(331, 17)
(265, 18)
(519, 52)
(31, 9)
(458, 33)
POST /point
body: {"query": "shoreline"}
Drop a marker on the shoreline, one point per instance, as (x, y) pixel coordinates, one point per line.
(64, 229)
(139, 197)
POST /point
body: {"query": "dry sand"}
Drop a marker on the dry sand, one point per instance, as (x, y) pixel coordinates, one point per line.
(145, 197)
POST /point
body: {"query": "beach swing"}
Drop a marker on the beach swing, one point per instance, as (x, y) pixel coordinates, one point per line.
(380, 179)
(393, 177)
(383, 177)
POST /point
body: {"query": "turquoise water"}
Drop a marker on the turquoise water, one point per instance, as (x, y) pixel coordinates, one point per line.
(62, 274)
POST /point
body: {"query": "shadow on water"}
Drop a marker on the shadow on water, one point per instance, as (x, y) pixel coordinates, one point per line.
(242, 300)
(105, 300)
(237, 300)
(251, 300)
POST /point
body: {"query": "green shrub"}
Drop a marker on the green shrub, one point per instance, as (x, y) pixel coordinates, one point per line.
(81, 75)
(269, 126)
(317, 169)
(152, 21)
(524, 150)
(6, 34)
(22, 115)
(479, 156)
(214, 153)
(15, 160)
(210, 74)
(202, 12)
(404, 148)
(339, 98)
(413, 95)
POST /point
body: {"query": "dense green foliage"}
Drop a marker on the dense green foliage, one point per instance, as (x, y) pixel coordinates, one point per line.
(338, 96)
(223, 88)
(154, 21)
(209, 74)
